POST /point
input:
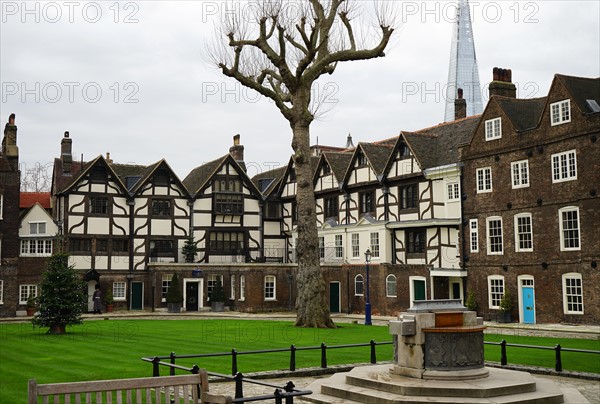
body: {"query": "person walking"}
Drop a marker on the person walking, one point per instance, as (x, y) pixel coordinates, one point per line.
(97, 297)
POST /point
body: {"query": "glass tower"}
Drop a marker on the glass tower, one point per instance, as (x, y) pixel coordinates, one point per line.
(463, 72)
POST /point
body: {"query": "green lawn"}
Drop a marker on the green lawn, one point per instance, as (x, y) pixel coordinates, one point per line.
(112, 349)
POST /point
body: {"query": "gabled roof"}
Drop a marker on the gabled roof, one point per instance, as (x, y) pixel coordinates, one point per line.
(98, 161)
(337, 161)
(29, 199)
(524, 114)
(314, 163)
(378, 155)
(276, 175)
(581, 89)
(146, 174)
(438, 145)
(60, 179)
(199, 177)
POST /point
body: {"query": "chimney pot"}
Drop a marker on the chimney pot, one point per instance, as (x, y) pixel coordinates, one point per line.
(502, 83)
(460, 93)
(236, 140)
(67, 134)
(11, 119)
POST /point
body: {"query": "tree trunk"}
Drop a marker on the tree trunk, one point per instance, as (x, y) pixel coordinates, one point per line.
(312, 309)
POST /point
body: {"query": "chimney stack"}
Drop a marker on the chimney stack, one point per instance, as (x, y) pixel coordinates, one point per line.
(502, 83)
(237, 150)
(66, 148)
(349, 142)
(108, 159)
(460, 106)
(9, 143)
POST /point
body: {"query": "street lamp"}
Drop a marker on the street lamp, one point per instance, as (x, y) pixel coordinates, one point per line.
(368, 299)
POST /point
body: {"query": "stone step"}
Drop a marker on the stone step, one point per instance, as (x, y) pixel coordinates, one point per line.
(500, 382)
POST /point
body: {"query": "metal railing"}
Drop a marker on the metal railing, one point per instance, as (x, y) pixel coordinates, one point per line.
(557, 349)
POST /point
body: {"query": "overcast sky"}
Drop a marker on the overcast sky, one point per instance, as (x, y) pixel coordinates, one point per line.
(132, 79)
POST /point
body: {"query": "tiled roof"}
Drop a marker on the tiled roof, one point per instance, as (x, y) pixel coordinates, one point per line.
(60, 179)
(378, 155)
(197, 178)
(29, 199)
(338, 161)
(524, 114)
(581, 89)
(276, 175)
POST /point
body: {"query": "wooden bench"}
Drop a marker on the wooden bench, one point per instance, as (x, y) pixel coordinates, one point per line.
(186, 389)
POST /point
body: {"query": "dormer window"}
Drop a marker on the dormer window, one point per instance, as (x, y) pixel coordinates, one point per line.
(326, 169)
(293, 175)
(404, 150)
(560, 112)
(361, 160)
(98, 175)
(493, 129)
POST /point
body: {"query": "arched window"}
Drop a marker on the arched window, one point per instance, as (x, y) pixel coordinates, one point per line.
(359, 285)
(390, 286)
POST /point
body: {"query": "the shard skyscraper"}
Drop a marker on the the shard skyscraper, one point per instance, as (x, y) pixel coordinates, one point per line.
(463, 72)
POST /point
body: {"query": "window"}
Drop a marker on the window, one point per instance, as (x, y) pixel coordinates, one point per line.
(520, 174)
(80, 245)
(227, 243)
(560, 112)
(98, 205)
(572, 293)
(569, 228)
(273, 210)
(331, 207)
(228, 204)
(326, 169)
(361, 159)
(495, 291)
(1, 291)
(162, 248)
(227, 184)
(161, 207)
(211, 281)
(474, 239)
(359, 285)
(523, 232)
(232, 289)
(453, 191)
(120, 245)
(1, 205)
(355, 241)
(37, 228)
(25, 291)
(415, 241)
(410, 197)
(98, 175)
(564, 166)
(404, 150)
(292, 174)
(375, 245)
(390, 286)
(322, 247)
(367, 202)
(119, 289)
(339, 246)
(270, 287)
(495, 245)
(162, 178)
(166, 282)
(36, 247)
(242, 287)
(484, 180)
(493, 129)
(101, 245)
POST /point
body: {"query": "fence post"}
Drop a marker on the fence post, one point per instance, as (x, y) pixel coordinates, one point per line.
(277, 395)
(558, 366)
(293, 358)
(239, 387)
(373, 354)
(503, 360)
(172, 362)
(289, 388)
(323, 355)
(155, 371)
(234, 368)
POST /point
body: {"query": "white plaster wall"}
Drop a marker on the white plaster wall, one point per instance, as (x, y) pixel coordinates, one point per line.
(99, 225)
(272, 228)
(75, 204)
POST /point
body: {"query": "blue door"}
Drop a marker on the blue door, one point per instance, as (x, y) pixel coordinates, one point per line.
(528, 305)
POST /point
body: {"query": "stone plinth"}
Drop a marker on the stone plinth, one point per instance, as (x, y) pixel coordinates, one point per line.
(440, 340)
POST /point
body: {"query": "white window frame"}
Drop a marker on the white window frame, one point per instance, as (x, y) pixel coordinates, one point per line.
(232, 287)
(489, 235)
(270, 288)
(166, 282)
(322, 247)
(339, 246)
(564, 166)
(1, 291)
(391, 280)
(359, 279)
(117, 288)
(355, 240)
(474, 235)
(36, 225)
(411, 287)
(36, 247)
(1, 206)
(374, 238)
(493, 129)
(560, 112)
(242, 288)
(453, 192)
(576, 229)
(495, 283)
(568, 295)
(519, 172)
(25, 290)
(519, 233)
(484, 180)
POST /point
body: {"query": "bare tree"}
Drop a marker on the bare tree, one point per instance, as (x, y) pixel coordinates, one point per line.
(36, 179)
(279, 48)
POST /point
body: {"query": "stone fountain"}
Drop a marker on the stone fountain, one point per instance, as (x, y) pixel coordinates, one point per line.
(438, 358)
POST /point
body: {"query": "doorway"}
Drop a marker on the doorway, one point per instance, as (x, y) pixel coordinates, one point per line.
(192, 294)
(334, 297)
(137, 295)
(91, 286)
(527, 299)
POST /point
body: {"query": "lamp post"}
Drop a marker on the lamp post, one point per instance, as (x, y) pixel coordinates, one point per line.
(368, 299)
